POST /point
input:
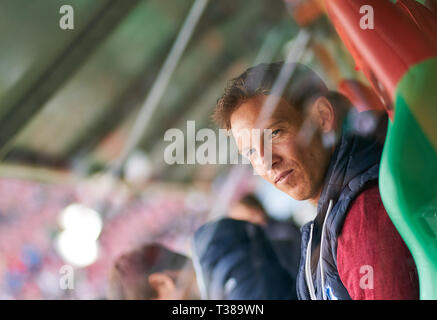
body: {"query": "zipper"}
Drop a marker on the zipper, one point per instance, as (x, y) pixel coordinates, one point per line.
(321, 250)
(308, 272)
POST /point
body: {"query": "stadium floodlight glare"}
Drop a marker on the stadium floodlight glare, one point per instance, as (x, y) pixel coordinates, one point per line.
(81, 220)
(77, 243)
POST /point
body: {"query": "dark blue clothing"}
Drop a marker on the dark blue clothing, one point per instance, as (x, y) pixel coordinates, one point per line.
(235, 260)
(285, 237)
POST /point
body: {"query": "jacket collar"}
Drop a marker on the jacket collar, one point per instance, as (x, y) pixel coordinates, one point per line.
(353, 156)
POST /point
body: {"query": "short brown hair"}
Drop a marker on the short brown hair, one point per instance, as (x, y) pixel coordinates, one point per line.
(251, 201)
(302, 86)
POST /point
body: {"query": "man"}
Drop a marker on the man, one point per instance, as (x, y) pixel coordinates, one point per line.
(152, 272)
(234, 260)
(250, 209)
(351, 250)
(284, 235)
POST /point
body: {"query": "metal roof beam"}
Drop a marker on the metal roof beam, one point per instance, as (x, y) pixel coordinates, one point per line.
(20, 112)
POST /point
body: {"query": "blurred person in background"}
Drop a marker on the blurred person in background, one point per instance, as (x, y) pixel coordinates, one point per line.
(235, 260)
(152, 272)
(285, 235)
(351, 250)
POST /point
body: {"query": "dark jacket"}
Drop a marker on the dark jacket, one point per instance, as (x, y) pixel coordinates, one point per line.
(285, 237)
(354, 164)
(235, 260)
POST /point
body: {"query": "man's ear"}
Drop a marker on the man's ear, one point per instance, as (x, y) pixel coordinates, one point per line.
(163, 285)
(323, 114)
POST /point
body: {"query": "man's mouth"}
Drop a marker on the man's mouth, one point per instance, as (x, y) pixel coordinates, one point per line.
(283, 176)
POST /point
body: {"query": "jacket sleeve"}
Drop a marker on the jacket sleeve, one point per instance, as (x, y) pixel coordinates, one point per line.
(235, 260)
(373, 260)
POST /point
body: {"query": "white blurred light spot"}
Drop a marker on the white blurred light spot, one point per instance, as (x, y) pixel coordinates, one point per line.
(77, 243)
(138, 168)
(82, 221)
(77, 251)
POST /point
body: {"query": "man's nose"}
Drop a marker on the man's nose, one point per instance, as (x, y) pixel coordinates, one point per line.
(269, 162)
(266, 158)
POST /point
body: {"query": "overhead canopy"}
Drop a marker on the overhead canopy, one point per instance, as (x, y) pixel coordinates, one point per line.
(71, 96)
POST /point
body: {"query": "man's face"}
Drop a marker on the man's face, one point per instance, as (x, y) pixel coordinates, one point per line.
(297, 165)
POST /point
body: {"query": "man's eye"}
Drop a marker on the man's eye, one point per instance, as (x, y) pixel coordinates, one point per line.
(250, 152)
(276, 132)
